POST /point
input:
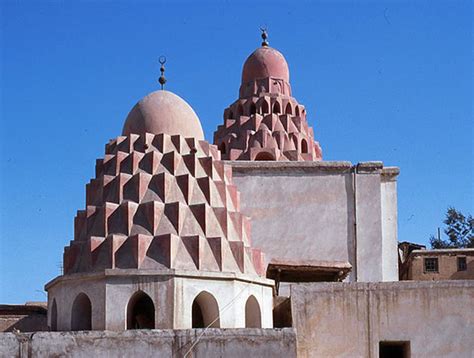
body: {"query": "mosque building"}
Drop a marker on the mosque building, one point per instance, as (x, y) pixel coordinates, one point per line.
(256, 233)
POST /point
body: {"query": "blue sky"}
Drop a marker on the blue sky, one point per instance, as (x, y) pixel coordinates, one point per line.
(381, 80)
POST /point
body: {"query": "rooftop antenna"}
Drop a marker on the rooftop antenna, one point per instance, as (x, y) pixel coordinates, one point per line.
(264, 36)
(162, 79)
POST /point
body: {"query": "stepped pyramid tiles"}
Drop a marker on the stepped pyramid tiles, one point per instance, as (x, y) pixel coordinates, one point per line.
(162, 202)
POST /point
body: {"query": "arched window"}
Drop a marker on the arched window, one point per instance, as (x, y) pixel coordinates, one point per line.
(205, 311)
(222, 147)
(276, 108)
(288, 109)
(304, 146)
(253, 316)
(297, 111)
(81, 317)
(54, 316)
(253, 108)
(264, 156)
(231, 114)
(140, 312)
(265, 108)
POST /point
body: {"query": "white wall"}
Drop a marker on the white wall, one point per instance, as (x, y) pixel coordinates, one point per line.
(172, 293)
(306, 211)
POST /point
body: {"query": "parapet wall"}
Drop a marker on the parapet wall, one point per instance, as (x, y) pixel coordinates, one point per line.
(152, 343)
(349, 320)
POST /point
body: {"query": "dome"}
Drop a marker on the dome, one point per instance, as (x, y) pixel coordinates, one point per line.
(265, 62)
(163, 112)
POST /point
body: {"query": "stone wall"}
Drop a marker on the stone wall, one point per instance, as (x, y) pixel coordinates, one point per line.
(330, 211)
(349, 320)
(152, 343)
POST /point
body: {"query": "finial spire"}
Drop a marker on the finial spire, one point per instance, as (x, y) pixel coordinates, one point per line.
(162, 79)
(264, 36)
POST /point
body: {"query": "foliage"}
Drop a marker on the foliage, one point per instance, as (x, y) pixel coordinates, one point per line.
(459, 230)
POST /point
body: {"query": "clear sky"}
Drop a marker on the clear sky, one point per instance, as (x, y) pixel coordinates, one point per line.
(390, 81)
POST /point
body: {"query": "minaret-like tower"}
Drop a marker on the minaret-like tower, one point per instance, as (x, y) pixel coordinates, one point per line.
(266, 122)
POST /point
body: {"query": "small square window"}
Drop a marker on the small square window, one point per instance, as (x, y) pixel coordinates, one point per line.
(462, 264)
(431, 264)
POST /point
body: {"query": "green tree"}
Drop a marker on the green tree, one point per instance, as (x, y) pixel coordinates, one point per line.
(459, 231)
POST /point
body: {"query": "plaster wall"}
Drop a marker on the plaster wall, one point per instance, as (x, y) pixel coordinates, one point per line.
(389, 229)
(172, 293)
(65, 292)
(369, 228)
(349, 320)
(152, 343)
(231, 298)
(306, 211)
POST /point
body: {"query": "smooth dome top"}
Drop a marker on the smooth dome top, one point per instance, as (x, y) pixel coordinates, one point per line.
(265, 62)
(163, 112)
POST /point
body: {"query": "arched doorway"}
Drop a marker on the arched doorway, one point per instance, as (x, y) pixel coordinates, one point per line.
(288, 109)
(81, 316)
(264, 156)
(54, 316)
(253, 316)
(205, 311)
(140, 312)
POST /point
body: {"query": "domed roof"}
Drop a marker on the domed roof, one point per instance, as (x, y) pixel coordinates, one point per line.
(265, 62)
(163, 112)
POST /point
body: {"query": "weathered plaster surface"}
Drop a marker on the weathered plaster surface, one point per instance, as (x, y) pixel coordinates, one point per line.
(306, 211)
(236, 343)
(172, 293)
(349, 320)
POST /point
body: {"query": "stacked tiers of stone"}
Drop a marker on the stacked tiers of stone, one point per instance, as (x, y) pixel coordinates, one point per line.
(266, 127)
(162, 202)
(266, 122)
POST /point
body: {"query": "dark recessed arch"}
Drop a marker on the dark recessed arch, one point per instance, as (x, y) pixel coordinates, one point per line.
(276, 108)
(81, 315)
(304, 146)
(253, 315)
(54, 316)
(205, 311)
(253, 108)
(140, 312)
(288, 109)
